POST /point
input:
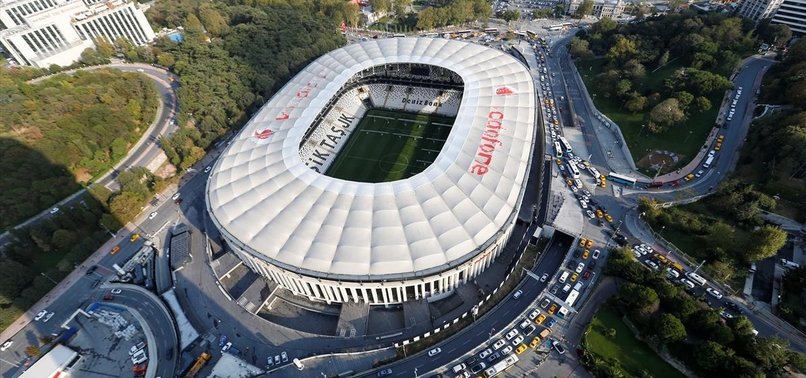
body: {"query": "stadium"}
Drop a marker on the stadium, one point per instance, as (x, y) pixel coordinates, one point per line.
(385, 171)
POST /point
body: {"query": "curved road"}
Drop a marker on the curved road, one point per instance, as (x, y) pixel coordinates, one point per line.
(146, 149)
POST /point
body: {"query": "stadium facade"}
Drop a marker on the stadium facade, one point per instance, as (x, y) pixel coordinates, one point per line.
(335, 240)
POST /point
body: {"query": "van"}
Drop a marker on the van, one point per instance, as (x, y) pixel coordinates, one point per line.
(563, 312)
(696, 278)
(544, 333)
(578, 286)
(563, 277)
(460, 367)
(566, 288)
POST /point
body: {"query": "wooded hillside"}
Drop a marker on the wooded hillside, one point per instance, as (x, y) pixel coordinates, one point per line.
(82, 125)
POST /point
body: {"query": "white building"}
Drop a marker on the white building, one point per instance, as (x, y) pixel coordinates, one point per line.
(336, 240)
(792, 13)
(44, 32)
(601, 8)
(758, 10)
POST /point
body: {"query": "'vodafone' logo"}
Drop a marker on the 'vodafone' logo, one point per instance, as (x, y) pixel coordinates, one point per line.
(504, 91)
(262, 135)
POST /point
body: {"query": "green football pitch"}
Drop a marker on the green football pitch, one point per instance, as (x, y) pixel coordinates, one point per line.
(388, 146)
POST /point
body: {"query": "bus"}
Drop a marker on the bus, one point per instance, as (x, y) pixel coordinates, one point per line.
(594, 172)
(531, 34)
(502, 365)
(572, 298)
(565, 144)
(431, 35)
(463, 33)
(573, 169)
(696, 278)
(559, 149)
(399, 35)
(558, 26)
(621, 179)
(491, 30)
(521, 34)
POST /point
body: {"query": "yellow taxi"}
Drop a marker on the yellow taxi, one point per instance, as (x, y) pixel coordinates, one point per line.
(608, 218)
(552, 309)
(589, 243)
(582, 242)
(689, 177)
(134, 237)
(720, 138)
(718, 146)
(585, 254)
(535, 342)
(540, 318)
(114, 250)
(599, 214)
(574, 277)
(520, 349)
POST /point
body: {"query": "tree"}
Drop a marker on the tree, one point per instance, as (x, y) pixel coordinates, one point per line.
(710, 356)
(685, 99)
(765, 242)
(669, 329)
(623, 50)
(774, 34)
(510, 15)
(702, 103)
(580, 48)
(32, 351)
(640, 298)
(63, 239)
(213, 22)
(667, 113)
(400, 7)
(636, 102)
(381, 6)
(586, 8)
(771, 352)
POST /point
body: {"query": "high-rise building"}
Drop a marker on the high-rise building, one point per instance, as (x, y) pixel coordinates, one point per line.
(758, 10)
(792, 13)
(44, 32)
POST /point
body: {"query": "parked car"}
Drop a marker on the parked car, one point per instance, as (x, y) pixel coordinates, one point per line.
(558, 347)
(485, 353)
(6, 345)
(226, 347)
(517, 340)
(580, 267)
(498, 344)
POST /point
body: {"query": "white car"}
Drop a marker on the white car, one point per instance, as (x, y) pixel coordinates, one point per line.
(583, 204)
(226, 347)
(498, 344)
(511, 334)
(686, 282)
(54, 210)
(533, 314)
(136, 348)
(434, 352)
(6, 345)
(41, 314)
(152, 215)
(115, 291)
(517, 340)
(208, 168)
(591, 215)
(596, 254)
(176, 196)
(544, 277)
(507, 349)
(517, 294)
(714, 293)
(48, 316)
(485, 353)
(580, 267)
(672, 273)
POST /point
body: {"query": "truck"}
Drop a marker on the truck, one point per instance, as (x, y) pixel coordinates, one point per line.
(197, 365)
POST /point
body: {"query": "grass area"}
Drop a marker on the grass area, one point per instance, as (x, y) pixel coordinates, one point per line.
(633, 355)
(685, 141)
(389, 146)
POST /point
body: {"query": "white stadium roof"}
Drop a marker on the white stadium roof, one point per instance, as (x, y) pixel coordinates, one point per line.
(269, 203)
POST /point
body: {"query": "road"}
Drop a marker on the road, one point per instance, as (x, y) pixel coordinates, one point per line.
(145, 150)
(491, 325)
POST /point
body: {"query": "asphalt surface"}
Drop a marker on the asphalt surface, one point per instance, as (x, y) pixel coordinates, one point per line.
(490, 326)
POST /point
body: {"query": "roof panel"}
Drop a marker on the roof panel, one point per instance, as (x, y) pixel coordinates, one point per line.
(262, 195)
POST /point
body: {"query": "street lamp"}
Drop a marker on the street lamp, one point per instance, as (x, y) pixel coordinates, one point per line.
(51, 279)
